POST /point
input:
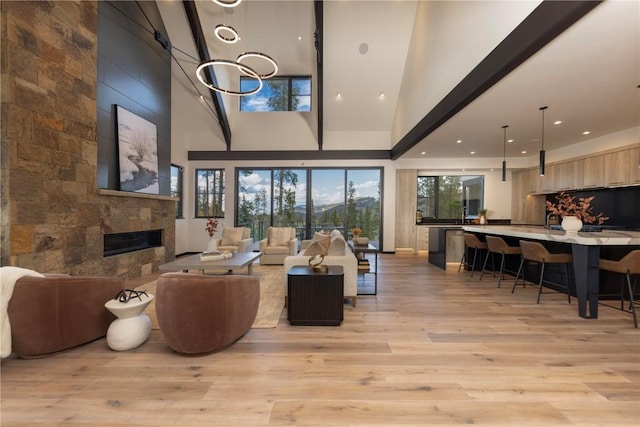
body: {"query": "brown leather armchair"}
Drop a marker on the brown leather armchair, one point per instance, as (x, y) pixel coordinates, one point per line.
(200, 314)
(58, 312)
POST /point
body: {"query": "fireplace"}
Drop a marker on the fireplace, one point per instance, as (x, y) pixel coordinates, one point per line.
(119, 243)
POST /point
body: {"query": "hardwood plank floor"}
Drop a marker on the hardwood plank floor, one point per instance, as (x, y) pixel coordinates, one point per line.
(434, 347)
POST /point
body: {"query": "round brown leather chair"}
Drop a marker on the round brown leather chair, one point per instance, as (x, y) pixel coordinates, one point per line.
(200, 314)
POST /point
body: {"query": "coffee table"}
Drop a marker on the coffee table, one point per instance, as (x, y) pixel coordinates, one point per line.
(237, 262)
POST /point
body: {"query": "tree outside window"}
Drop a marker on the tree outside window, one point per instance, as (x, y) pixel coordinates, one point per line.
(210, 189)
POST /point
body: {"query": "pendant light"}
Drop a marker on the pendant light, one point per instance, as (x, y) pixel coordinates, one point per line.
(504, 155)
(541, 167)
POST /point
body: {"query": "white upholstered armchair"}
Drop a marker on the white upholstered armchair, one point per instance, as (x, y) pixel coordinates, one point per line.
(280, 243)
(236, 239)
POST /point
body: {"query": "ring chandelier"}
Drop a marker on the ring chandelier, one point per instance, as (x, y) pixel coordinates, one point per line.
(228, 34)
(227, 63)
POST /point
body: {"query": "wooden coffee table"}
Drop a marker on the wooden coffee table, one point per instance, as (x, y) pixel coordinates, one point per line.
(237, 262)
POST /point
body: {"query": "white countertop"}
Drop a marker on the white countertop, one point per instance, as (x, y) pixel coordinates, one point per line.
(607, 237)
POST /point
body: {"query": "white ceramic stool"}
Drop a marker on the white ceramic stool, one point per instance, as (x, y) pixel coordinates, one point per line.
(132, 327)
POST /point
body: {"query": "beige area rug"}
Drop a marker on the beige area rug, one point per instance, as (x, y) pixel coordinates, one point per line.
(271, 297)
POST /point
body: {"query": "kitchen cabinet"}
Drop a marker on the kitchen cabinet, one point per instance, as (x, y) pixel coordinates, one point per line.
(518, 195)
(591, 172)
(546, 183)
(616, 168)
(634, 166)
(565, 175)
(422, 243)
(406, 202)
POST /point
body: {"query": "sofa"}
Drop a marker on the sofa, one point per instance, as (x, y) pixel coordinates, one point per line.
(336, 251)
(57, 312)
(279, 243)
(200, 314)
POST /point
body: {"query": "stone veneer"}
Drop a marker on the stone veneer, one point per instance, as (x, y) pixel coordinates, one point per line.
(53, 215)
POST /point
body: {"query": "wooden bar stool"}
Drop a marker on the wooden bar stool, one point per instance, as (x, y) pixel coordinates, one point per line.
(497, 245)
(629, 266)
(536, 252)
(471, 241)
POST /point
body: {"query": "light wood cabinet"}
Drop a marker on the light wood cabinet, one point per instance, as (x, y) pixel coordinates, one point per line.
(616, 168)
(546, 183)
(565, 175)
(406, 202)
(422, 243)
(518, 195)
(591, 172)
(531, 181)
(634, 166)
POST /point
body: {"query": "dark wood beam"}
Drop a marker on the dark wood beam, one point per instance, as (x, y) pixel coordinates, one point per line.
(319, 35)
(545, 23)
(290, 155)
(203, 53)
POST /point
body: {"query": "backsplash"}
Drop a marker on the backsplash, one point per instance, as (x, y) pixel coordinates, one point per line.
(621, 205)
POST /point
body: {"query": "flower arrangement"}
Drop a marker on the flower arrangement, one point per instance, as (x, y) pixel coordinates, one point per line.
(356, 231)
(212, 226)
(568, 206)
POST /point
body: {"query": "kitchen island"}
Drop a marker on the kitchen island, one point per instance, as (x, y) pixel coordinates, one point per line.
(585, 248)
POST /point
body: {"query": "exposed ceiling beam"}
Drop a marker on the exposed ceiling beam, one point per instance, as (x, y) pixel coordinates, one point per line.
(545, 23)
(290, 155)
(203, 53)
(319, 36)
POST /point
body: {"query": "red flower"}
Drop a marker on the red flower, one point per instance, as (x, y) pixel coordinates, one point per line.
(212, 226)
(567, 206)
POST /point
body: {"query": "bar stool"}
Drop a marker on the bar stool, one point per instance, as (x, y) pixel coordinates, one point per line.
(536, 252)
(629, 265)
(497, 245)
(471, 241)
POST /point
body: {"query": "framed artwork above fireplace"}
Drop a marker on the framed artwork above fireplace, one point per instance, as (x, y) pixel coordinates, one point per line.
(137, 152)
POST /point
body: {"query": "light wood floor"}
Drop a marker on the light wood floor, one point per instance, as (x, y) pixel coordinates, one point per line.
(432, 348)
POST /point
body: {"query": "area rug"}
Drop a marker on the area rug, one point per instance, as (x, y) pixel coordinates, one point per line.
(271, 297)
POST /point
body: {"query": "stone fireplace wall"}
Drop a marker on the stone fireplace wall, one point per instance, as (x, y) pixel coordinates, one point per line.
(53, 214)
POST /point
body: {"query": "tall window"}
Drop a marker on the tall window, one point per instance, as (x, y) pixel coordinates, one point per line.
(176, 187)
(449, 197)
(282, 93)
(310, 199)
(209, 193)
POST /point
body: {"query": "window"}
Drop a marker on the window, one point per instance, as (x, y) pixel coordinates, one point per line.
(283, 93)
(446, 198)
(177, 173)
(209, 193)
(310, 199)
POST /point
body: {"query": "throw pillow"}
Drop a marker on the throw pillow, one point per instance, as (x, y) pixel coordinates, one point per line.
(322, 238)
(337, 246)
(315, 248)
(230, 236)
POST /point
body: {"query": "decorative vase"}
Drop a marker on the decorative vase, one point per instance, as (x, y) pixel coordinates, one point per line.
(571, 224)
(483, 219)
(212, 246)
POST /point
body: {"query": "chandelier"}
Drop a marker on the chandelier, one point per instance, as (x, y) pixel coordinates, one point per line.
(228, 34)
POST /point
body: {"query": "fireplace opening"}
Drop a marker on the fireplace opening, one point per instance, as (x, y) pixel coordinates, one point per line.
(119, 243)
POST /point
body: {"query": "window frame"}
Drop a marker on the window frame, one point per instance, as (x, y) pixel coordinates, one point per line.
(468, 214)
(289, 79)
(210, 195)
(179, 190)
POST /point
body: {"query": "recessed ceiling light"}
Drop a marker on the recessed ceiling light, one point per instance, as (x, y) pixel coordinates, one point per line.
(586, 132)
(423, 153)
(523, 152)
(510, 140)
(491, 169)
(458, 141)
(201, 98)
(382, 95)
(557, 122)
(472, 152)
(299, 37)
(338, 95)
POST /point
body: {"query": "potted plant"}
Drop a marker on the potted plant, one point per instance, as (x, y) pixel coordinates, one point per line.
(482, 215)
(574, 213)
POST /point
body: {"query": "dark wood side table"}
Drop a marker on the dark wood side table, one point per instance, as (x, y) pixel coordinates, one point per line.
(316, 298)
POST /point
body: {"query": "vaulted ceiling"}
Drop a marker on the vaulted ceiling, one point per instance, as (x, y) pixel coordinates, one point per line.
(449, 71)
